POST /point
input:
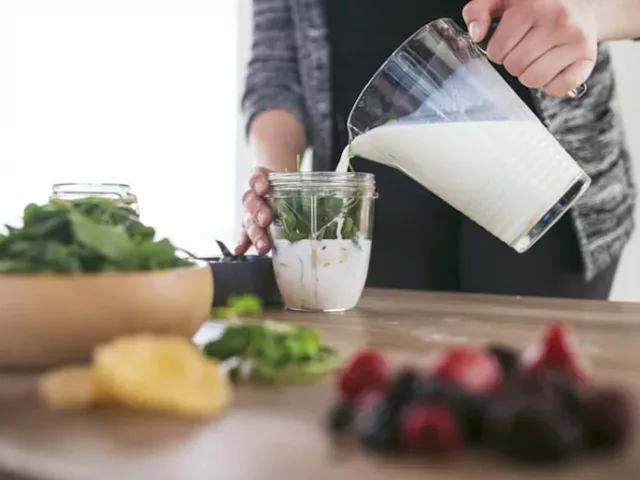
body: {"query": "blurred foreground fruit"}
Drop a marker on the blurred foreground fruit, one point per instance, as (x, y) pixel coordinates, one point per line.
(167, 374)
(430, 429)
(160, 373)
(609, 419)
(364, 371)
(558, 351)
(537, 410)
(70, 388)
(471, 369)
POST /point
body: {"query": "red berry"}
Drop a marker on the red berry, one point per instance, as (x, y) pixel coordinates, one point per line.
(473, 370)
(365, 371)
(430, 429)
(557, 351)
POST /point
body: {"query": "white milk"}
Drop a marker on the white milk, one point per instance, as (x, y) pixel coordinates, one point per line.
(503, 175)
(324, 275)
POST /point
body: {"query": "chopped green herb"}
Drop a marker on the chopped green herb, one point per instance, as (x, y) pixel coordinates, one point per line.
(274, 353)
(239, 306)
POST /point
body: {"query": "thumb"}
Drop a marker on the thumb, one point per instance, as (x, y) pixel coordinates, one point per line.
(477, 14)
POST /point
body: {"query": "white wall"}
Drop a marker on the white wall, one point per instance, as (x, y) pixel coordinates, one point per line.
(627, 65)
(134, 91)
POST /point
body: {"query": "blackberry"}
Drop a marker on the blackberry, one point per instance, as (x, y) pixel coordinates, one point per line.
(507, 357)
(571, 396)
(608, 417)
(377, 428)
(341, 417)
(403, 390)
(533, 432)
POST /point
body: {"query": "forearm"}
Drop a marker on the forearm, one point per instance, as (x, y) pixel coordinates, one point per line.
(277, 138)
(618, 19)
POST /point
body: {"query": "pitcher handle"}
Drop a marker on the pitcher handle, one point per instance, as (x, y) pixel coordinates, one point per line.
(577, 92)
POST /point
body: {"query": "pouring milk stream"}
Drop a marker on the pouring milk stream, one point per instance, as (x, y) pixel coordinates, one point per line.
(438, 111)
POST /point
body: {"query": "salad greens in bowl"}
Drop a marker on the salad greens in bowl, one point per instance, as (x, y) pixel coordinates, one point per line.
(80, 273)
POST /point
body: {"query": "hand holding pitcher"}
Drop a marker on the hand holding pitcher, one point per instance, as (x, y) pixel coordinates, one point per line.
(547, 44)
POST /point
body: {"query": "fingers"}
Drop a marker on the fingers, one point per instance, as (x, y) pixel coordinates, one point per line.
(257, 208)
(257, 234)
(477, 15)
(538, 43)
(259, 181)
(257, 215)
(512, 29)
(552, 65)
(573, 76)
(243, 244)
(545, 43)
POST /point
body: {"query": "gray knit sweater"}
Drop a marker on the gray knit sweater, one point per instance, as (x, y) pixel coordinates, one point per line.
(290, 69)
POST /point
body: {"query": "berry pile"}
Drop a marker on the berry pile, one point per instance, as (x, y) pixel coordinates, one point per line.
(540, 407)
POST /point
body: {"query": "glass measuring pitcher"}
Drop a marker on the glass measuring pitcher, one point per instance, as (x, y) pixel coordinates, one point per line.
(441, 113)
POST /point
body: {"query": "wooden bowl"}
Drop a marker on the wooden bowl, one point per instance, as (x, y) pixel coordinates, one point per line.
(47, 320)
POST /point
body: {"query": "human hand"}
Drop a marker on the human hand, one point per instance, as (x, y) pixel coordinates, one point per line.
(547, 44)
(257, 214)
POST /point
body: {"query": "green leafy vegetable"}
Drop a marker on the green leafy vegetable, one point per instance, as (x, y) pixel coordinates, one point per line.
(322, 217)
(92, 235)
(319, 218)
(239, 306)
(274, 353)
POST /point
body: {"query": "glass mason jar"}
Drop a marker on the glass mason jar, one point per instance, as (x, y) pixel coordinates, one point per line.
(118, 192)
(321, 232)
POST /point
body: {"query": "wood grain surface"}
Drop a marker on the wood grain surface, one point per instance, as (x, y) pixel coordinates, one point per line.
(278, 433)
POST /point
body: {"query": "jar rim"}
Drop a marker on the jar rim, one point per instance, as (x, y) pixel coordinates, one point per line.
(321, 175)
(356, 184)
(321, 179)
(91, 184)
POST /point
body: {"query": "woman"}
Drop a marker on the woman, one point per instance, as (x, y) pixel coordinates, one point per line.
(311, 58)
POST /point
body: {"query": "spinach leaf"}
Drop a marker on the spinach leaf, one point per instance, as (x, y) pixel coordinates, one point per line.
(89, 235)
(110, 241)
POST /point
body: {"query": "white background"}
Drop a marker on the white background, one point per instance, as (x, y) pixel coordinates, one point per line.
(146, 92)
(143, 92)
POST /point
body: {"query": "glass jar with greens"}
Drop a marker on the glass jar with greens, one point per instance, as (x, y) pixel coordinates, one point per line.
(322, 232)
(119, 192)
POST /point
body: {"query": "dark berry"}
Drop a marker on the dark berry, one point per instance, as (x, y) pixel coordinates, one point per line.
(430, 429)
(402, 389)
(533, 432)
(608, 418)
(341, 417)
(571, 395)
(366, 370)
(555, 388)
(469, 407)
(377, 427)
(507, 357)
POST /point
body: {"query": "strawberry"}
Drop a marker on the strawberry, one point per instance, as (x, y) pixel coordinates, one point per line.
(558, 351)
(430, 429)
(366, 371)
(473, 370)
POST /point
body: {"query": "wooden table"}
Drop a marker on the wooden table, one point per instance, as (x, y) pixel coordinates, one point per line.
(278, 434)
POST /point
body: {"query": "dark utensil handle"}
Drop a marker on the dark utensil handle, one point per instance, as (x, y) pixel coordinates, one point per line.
(483, 45)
